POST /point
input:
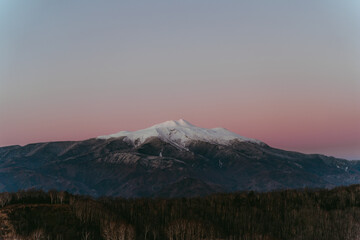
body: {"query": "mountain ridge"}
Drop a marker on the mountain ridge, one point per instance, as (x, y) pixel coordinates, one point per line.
(163, 166)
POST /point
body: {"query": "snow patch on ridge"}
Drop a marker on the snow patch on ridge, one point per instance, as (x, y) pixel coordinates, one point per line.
(179, 133)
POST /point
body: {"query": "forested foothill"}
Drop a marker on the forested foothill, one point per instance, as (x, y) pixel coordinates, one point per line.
(282, 215)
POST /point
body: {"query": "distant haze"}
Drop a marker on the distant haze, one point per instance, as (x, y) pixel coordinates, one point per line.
(284, 72)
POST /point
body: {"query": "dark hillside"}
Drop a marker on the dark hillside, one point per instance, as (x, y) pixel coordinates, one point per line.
(156, 168)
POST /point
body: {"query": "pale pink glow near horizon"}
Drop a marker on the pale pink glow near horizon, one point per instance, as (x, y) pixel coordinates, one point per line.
(73, 71)
(311, 131)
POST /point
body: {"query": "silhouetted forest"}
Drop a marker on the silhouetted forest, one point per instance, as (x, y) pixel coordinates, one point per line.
(289, 214)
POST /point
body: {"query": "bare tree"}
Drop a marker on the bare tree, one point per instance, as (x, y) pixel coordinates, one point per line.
(154, 233)
(38, 234)
(61, 196)
(146, 230)
(118, 231)
(86, 235)
(52, 195)
(182, 229)
(5, 198)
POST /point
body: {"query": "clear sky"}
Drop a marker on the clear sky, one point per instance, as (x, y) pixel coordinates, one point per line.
(284, 72)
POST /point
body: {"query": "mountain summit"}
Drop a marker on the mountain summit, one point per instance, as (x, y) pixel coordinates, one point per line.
(180, 133)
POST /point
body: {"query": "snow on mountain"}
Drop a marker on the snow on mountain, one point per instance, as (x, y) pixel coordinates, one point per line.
(179, 133)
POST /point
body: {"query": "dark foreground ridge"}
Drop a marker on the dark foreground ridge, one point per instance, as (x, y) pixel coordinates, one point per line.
(283, 215)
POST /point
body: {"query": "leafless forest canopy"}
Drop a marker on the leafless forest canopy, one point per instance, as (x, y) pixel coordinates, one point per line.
(289, 214)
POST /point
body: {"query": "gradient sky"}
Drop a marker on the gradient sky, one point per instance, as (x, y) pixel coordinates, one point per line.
(285, 72)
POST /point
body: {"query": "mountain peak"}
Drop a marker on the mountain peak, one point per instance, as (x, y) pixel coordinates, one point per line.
(179, 133)
(174, 123)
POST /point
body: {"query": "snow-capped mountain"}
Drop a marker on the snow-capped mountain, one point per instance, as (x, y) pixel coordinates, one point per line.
(170, 159)
(180, 133)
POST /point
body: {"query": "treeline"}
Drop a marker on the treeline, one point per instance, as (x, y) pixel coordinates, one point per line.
(283, 215)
